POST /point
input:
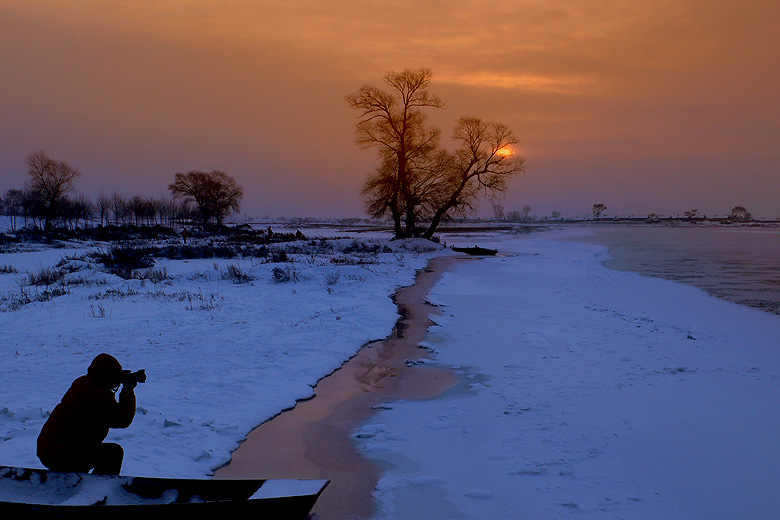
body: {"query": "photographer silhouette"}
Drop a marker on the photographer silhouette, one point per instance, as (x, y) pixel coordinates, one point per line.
(72, 438)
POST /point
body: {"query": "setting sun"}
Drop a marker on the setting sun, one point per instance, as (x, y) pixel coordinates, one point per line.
(506, 151)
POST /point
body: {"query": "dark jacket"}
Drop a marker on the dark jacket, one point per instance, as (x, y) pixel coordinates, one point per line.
(80, 422)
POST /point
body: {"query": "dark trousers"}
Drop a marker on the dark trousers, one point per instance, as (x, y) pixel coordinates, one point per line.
(106, 459)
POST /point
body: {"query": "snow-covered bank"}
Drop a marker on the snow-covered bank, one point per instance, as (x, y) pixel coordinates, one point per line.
(222, 352)
(586, 393)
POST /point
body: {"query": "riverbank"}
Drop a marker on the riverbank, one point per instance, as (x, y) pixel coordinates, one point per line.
(583, 391)
(738, 264)
(227, 343)
(587, 392)
(313, 440)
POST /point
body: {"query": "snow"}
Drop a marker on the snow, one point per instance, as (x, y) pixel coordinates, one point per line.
(289, 488)
(220, 357)
(584, 392)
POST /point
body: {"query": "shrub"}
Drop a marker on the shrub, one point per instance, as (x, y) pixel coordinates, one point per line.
(46, 276)
(15, 302)
(361, 247)
(209, 250)
(153, 275)
(237, 275)
(277, 257)
(123, 261)
(285, 274)
(354, 260)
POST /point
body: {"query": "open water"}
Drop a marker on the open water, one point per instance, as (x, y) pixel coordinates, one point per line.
(739, 264)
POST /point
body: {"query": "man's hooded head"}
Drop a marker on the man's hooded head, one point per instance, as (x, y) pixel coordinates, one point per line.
(106, 371)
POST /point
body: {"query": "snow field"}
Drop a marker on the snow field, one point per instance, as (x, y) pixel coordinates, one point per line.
(221, 357)
(585, 393)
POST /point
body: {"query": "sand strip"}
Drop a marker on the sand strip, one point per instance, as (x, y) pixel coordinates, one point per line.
(313, 439)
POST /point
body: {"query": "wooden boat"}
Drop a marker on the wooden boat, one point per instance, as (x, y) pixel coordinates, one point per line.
(476, 250)
(39, 493)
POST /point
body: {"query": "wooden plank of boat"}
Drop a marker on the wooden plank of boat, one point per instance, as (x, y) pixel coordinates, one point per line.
(476, 250)
(39, 493)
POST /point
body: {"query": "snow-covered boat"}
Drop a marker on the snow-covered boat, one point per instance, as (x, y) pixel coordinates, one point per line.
(476, 250)
(38, 493)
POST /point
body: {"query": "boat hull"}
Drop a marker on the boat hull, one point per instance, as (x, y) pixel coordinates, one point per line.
(39, 494)
(477, 251)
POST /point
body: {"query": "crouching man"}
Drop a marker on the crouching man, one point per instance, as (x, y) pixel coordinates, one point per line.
(72, 438)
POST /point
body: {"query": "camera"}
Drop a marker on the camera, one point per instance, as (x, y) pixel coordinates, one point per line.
(138, 376)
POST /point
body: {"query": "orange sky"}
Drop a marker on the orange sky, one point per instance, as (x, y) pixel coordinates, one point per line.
(654, 106)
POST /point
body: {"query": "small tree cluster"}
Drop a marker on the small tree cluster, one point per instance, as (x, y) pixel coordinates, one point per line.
(137, 210)
(46, 199)
(79, 210)
(524, 215)
(45, 196)
(215, 193)
(740, 214)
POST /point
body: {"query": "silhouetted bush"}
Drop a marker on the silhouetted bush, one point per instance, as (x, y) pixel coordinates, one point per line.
(46, 276)
(284, 274)
(122, 261)
(237, 275)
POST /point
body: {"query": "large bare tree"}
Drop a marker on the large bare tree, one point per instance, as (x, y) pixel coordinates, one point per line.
(50, 182)
(393, 122)
(416, 181)
(482, 165)
(216, 193)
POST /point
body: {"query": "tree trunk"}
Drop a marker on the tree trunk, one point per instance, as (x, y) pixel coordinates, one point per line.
(411, 220)
(396, 216)
(439, 215)
(435, 221)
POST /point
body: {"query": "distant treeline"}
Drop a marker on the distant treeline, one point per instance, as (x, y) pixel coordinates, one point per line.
(27, 209)
(47, 200)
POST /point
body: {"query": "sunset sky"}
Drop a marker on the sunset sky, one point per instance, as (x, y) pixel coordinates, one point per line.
(656, 106)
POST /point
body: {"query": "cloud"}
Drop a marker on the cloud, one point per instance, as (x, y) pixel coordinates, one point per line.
(136, 89)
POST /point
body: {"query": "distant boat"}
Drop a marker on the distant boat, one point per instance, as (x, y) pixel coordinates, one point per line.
(39, 493)
(476, 250)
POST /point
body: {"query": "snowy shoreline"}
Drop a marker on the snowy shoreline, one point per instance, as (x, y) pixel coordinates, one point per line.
(313, 440)
(587, 392)
(221, 357)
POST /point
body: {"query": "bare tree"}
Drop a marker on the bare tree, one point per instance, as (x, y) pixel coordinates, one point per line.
(394, 123)
(119, 207)
(31, 206)
(142, 210)
(598, 209)
(103, 207)
(482, 165)
(215, 193)
(498, 211)
(167, 211)
(51, 181)
(14, 205)
(82, 209)
(416, 180)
